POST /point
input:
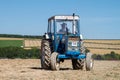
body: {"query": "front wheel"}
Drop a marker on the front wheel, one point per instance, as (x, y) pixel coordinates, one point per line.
(55, 64)
(89, 62)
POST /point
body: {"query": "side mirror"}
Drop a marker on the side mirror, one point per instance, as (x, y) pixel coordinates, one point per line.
(46, 36)
(81, 37)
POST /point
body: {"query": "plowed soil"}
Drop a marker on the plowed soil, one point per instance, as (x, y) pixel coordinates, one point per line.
(29, 69)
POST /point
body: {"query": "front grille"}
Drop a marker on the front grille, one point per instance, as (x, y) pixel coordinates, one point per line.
(73, 45)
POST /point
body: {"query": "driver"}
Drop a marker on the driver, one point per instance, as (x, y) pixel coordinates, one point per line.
(63, 28)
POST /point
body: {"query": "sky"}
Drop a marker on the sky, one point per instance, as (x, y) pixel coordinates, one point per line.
(99, 19)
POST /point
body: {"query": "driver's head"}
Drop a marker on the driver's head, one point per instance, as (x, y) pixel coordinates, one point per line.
(63, 25)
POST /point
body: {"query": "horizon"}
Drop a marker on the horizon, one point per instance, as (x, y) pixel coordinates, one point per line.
(42, 35)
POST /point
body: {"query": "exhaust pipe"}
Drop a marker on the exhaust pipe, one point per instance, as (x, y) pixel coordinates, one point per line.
(73, 27)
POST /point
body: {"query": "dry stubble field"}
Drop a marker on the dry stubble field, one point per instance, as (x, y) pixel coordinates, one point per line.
(29, 69)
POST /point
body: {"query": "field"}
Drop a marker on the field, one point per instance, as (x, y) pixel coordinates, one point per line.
(95, 46)
(29, 69)
(6, 43)
(102, 46)
(5, 38)
(32, 43)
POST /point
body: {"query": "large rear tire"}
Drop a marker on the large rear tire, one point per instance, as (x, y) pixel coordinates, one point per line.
(77, 64)
(89, 62)
(55, 64)
(45, 54)
(41, 54)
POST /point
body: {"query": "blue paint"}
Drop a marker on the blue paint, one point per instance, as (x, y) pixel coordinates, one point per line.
(63, 56)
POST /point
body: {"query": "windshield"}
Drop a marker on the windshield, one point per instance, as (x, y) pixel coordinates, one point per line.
(67, 27)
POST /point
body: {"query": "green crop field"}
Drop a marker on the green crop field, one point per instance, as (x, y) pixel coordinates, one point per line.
(6, 43)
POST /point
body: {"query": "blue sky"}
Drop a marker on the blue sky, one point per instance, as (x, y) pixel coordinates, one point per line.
(99, 19)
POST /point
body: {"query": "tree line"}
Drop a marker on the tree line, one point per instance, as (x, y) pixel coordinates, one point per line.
(20, 36)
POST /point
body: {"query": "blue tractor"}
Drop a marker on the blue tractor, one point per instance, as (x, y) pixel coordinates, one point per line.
(64, 41)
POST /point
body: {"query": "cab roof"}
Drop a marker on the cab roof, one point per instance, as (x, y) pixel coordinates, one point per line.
(76, 17)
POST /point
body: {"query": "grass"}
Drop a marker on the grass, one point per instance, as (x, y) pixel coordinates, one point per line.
(6, 43)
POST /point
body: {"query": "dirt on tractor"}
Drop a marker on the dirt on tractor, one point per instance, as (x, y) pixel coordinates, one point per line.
(29, 69)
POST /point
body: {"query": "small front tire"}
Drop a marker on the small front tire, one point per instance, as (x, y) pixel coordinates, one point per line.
(89, 62)
(55, 64)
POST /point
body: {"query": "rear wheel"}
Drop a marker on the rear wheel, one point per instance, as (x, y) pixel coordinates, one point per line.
(41, 54)
(77, 64)
(45, 54)
(55, 64)
(89, 62)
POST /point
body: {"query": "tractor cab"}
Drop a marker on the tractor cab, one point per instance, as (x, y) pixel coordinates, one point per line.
(64, 25)
(65, 33)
